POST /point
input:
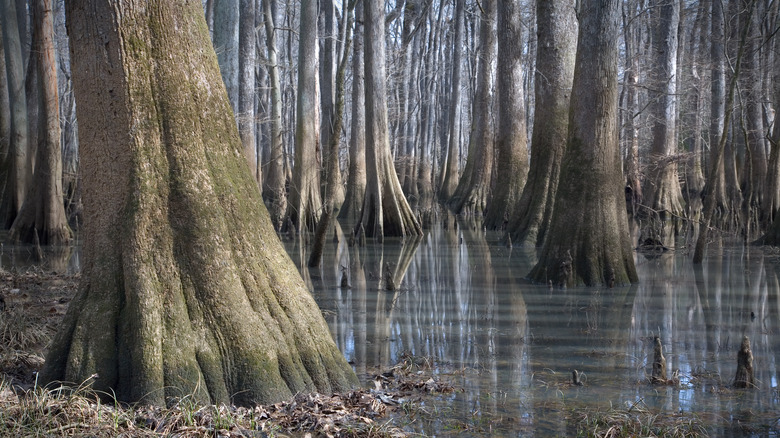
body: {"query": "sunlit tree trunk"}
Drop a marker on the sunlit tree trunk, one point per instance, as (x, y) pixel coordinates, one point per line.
(449, 179)
(385, 211)
(328, 62)
(186, 290)
(273, 184)
(304, 200)
(14, 169)
(473, 192)
(356, 180)
(588, 241)
(42, 216)
(511, 147)
(662, 190)
(557, 46)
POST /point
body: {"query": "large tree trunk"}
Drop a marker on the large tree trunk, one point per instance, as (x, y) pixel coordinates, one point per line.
(511, 147)
(356, 178)
(42, 216)
(662, 191)
(273, 184)
(14, 169)
(588, 241)
(186, 291)
(473, 192)
(557, 33)
(304, 201)
(449, 179)
(385, 211)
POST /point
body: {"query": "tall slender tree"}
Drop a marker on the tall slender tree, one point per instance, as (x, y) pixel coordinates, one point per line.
(449, 179)
(385, 211)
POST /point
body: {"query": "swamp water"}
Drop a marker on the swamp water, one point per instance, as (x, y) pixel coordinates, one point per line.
(461, 303)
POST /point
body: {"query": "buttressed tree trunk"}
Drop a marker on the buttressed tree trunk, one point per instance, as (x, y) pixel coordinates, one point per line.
(663, 188)
(588, 241)
(449, 179)
(356, 179)
(304, 201)
(473, 191)
(557, 33)
(186, 291)
(42, 216)
(15, 168)
(511, 147)
(385, 210)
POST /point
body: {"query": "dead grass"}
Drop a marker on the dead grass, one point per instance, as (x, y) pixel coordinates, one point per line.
(637, 420)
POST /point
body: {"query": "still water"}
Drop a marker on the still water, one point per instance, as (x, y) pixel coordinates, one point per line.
(511, 345)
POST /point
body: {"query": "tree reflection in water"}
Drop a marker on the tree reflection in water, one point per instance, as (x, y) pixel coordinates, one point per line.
(461, 300)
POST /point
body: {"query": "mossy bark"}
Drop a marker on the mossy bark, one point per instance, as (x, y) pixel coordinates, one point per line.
(185, 288)
(588, 242)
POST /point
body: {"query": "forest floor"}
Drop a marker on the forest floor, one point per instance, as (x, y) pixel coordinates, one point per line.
(32, 305)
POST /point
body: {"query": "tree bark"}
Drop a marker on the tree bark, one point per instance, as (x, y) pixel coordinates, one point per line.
(557, 46)
(588, 242)
(385, 211)
(42, 216)
(511, 140)
(186, 291)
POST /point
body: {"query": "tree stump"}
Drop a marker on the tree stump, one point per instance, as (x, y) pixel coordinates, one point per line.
(744, 377)
(659, 362)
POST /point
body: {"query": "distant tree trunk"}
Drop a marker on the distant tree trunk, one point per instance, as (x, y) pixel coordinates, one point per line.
(385, 211)
(473, 191)
(247, 49)
(42, 216)
(511, 141)
(772, 203)
(304, 201)
(333, 182)
(328, 61)
(557, 46)
(752, 124)
(711, 194)
(588, 241)
(226, 44)
(449, 180)
(5, 118)
(15, 167)
(273, 184)
(662, 190)
(186, 291)
(633, 189)
(356, 179)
